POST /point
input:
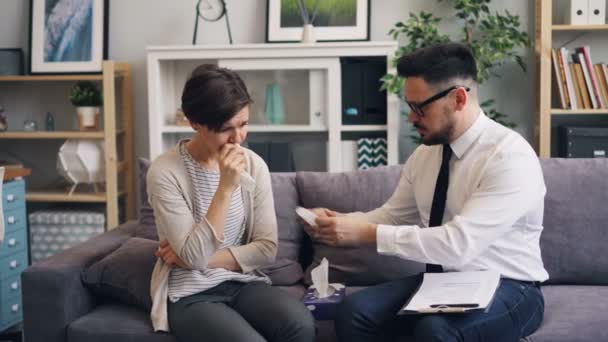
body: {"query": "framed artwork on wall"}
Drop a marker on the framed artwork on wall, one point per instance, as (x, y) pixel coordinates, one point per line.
(68, 36)
(334, 20)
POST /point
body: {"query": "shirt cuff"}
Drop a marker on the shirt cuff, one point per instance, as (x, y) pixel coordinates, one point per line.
(385, 239)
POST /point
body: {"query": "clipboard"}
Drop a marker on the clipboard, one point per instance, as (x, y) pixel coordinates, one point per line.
(453, 292)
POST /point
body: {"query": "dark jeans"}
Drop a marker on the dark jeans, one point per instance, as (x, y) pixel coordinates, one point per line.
(235, 311)
(370, 315)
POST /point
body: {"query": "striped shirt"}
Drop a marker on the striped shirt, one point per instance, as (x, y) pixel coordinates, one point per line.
(183, 282)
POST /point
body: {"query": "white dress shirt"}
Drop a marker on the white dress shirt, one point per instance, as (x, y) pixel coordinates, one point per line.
(494, 210)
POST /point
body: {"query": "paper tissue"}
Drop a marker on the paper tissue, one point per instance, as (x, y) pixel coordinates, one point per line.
(322, 298)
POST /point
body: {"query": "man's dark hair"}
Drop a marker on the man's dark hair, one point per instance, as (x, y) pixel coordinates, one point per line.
(439, 63)
(213, 95)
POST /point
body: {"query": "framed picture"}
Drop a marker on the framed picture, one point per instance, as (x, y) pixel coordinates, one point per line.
(68, 36)
(335, 20)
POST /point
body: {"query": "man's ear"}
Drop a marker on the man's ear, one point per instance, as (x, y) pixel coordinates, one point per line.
(462, 97)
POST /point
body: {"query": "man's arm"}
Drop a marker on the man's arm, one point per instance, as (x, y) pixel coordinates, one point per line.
(511, 186)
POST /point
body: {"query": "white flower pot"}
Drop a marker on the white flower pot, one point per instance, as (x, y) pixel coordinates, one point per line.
(308, 34)
(88, 118)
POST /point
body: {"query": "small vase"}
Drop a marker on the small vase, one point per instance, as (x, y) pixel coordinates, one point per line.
(88, 118)
(308, 34)
(274, 111)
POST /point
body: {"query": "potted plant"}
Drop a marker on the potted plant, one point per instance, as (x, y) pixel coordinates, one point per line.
(87, 98)
(494, 38)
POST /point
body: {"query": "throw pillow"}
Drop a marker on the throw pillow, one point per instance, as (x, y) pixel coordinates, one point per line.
(147, 227)
(349, 192)
(125, 273)
(286, 270)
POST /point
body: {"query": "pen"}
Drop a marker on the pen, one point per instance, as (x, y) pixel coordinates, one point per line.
(468, 305)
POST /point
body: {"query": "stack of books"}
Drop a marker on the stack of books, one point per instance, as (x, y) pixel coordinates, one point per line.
(579, 83)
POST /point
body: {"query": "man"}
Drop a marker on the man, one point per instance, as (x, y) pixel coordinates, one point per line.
(490, 216)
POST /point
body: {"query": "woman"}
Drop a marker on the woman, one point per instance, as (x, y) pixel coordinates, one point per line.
(215, 234)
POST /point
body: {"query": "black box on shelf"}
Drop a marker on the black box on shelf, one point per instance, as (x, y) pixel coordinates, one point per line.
(11, 62)
(583, 142)
(362, 101)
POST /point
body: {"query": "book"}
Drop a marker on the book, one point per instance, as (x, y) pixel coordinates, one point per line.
(586, 60)
(559, 80)
(453, 292)
(574, 101)
(602, 82)
(575, 88)
(580, 80)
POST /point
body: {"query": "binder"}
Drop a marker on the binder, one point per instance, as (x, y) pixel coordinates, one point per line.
(577, 12)
(596, 12)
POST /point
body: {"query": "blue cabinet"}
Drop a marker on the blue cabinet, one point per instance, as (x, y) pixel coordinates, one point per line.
(13, 252)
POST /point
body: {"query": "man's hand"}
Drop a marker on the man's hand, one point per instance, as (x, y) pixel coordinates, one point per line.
(170, 258)
(344, 231)
(312, 231)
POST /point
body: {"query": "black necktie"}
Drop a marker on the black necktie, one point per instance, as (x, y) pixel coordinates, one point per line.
(439, 198)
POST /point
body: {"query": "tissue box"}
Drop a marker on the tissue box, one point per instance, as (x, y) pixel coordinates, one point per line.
(323, 309)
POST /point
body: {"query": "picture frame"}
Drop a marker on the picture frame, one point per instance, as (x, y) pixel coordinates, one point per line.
(68, 36)
(337, 20)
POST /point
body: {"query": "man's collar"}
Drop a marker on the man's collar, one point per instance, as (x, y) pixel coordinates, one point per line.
(464, 142)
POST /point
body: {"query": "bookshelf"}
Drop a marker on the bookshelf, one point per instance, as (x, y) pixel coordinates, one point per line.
(313, 99)
(545, 33)
(117, 138)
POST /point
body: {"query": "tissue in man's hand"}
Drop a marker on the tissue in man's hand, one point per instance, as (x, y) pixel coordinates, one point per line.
(322, 298)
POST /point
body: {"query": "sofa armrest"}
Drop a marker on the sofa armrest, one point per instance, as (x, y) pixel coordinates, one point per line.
(53, 293)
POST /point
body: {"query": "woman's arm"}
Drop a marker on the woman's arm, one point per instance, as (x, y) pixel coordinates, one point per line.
(262, 249)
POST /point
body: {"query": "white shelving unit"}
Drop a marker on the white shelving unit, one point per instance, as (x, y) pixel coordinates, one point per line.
(309, 76)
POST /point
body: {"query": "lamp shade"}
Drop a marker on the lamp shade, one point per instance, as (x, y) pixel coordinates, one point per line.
(81, 161)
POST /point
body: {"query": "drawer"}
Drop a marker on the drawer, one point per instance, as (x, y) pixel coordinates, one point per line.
(10, 287)
(13, 264)
(14, 241)
(15, 219)
(11, 310)
(13, 195)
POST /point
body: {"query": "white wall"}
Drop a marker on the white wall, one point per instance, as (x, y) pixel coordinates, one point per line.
(135, 24)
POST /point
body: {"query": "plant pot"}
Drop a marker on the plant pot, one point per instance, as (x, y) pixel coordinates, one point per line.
(88, 118)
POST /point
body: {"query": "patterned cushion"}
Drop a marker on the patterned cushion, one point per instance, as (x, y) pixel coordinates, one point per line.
(53, 231)
(125, 274)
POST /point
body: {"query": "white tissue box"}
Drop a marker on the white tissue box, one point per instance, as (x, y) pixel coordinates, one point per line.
(323, 309)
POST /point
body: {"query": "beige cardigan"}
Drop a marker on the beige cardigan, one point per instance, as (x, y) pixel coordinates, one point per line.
(171, 196)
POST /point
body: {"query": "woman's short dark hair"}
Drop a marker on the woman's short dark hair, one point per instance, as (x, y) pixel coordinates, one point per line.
(213, 95)
(439, 63)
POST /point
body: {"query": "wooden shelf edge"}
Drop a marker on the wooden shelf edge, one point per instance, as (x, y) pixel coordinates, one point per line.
(14, 172)
(55, 135)
(25, 78)
(63, 196)
(578, 111)
(579, 27)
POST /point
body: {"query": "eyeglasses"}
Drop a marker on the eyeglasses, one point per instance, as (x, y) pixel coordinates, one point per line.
(417, 107)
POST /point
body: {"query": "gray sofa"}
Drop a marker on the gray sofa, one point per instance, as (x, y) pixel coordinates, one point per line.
(97, 290)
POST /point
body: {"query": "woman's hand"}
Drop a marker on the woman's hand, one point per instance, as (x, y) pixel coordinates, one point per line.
(232, 162)
(169, 256)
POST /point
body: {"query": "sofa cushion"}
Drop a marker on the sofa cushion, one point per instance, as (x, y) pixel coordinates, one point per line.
(573, 242)
(116, 323)
(125, 273)
(349, 192)
(573, 313)
(147, 227)
(286, 269)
